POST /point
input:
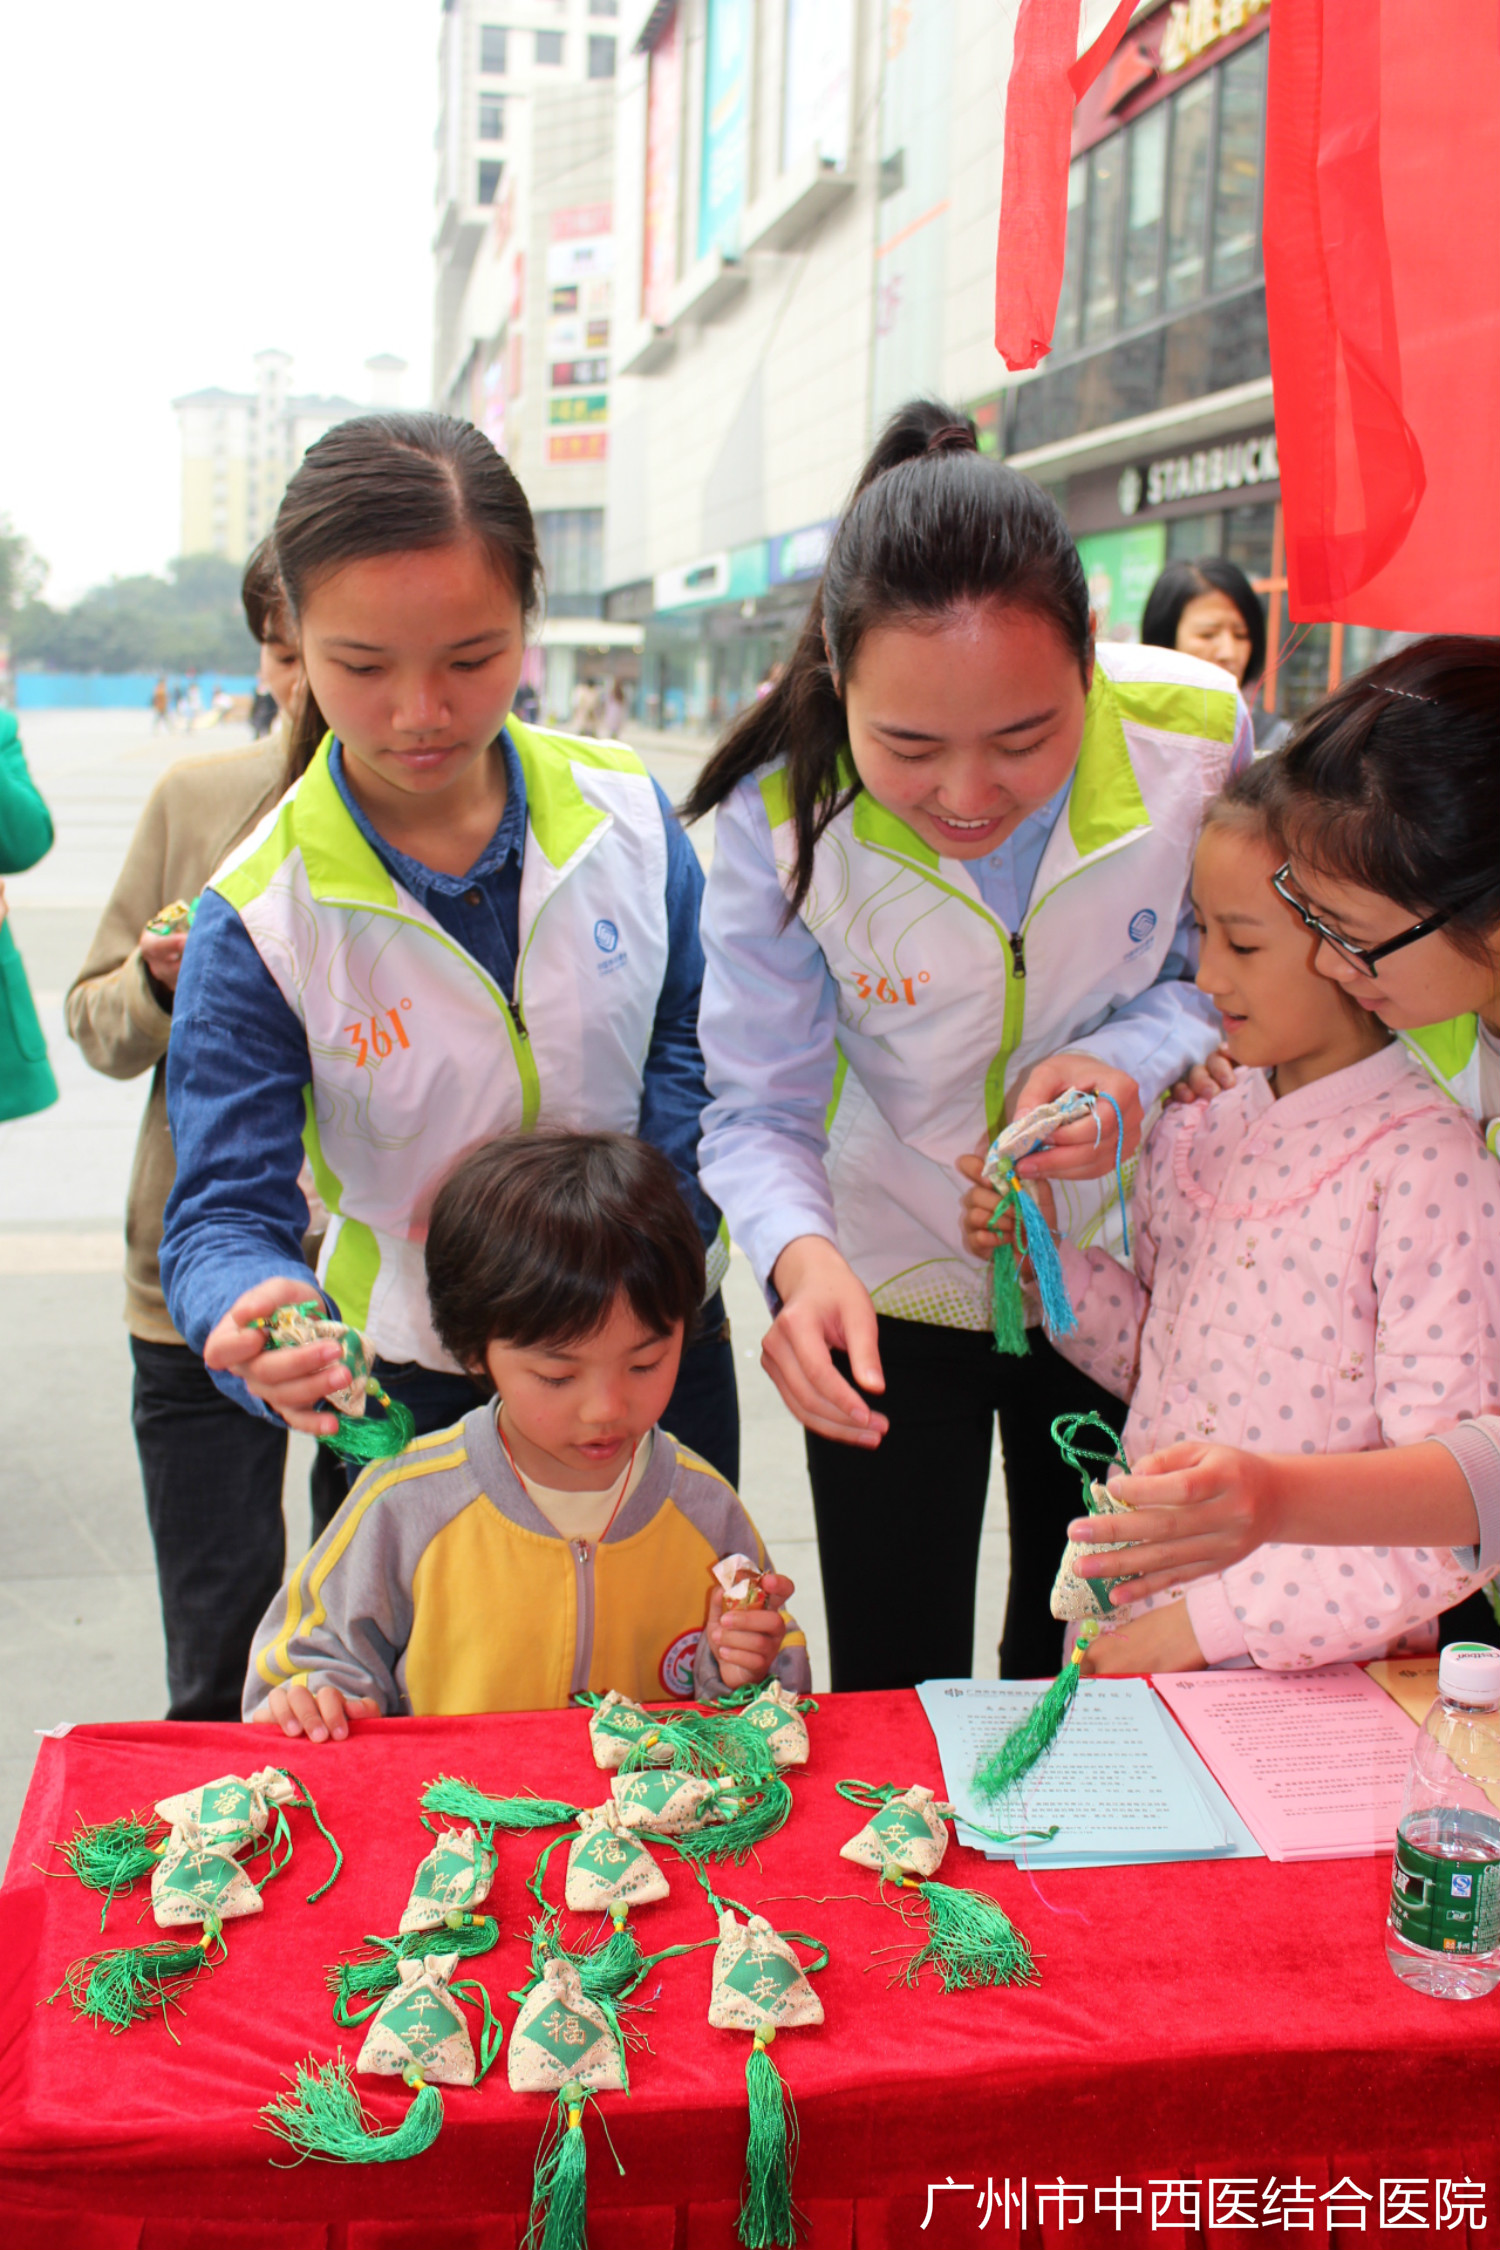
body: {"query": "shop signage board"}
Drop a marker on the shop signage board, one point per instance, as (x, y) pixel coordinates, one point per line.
(663, 171)
(726, 126)
(1227, 467)
(1121, 568)
(801, 553)
(580, 281)
(815, 109)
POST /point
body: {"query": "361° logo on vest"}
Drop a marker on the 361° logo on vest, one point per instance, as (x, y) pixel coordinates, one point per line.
(607, 937)
(1141, 924)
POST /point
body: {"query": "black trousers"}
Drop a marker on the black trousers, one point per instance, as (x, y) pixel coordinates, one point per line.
(704, 1409)
(213, 1476)
(898, 1528)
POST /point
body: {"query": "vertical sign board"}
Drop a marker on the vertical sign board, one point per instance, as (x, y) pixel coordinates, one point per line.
(580, 270)
(815, 106)
(663, 171)
(724, 181)
(916, 111)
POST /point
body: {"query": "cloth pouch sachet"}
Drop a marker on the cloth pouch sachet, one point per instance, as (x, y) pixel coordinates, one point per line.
(198, 1879)
(615, 1726)
(774, 1715)
(665, 1803)
(562, 2038)
(229, 1809)
(1075, 1598)
(421, 2026)
(454, 1877)
(608, 1864)
(758, 1980)
(907, 1836)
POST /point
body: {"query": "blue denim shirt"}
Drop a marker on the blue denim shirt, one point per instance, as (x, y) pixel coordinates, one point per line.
(238, 1066)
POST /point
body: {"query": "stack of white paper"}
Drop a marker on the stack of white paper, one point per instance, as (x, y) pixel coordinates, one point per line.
(1119, 1785)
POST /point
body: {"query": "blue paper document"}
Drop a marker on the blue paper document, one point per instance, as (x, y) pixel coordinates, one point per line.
(1120, 1784)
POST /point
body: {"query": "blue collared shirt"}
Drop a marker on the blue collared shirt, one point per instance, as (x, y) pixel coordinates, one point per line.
(238, 1065)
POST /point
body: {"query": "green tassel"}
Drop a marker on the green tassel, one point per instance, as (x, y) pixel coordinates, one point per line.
(1034, 1735)
(460, 1800)
(324, 2116)
(971, 1941)
(371, 1437)
(767, 1811)
(110, 1855)
(559, 2188)
(125, 1986)
(766, 2217)
(368, 1976)
(1008, 1304)
(735, 1698)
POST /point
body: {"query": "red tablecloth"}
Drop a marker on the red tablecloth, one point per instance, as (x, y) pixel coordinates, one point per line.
(1192, 2021)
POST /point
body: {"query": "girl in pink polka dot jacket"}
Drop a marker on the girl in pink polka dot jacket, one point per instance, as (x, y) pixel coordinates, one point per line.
(1310, 1276)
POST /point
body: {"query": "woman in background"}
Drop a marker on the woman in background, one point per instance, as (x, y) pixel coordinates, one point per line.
(1209, 609)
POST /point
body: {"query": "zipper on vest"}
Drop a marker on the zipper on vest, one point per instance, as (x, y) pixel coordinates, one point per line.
(517, 1018)
(583, 1613)
(1017, 941)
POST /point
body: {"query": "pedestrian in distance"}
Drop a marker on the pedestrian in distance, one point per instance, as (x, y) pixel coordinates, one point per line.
(213, 1480)
(1208, 608)
(949, 881)
(451, 926)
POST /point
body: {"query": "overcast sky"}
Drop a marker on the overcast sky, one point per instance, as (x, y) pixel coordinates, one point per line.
(185, 182)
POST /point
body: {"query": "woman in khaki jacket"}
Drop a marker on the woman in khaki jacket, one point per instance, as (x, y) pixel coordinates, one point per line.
(213, 1476)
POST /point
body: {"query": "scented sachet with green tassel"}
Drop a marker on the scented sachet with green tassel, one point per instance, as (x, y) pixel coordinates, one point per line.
(1090, 1447)
(360, 1436)
(609, 1866)
(420, 2035)
(454, 1878)
(776, 1715)
(970, 1940)
(564, 2044)
(112, 1855)
(616, 1725)
(759, 1986)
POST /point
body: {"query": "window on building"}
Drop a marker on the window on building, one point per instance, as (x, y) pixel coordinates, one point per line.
(1187, 191)
(1236, 227)
(604, 7)
(572, 544)
(1146, 167)
(1101, 296)
(492, 42)
(549, 46)
(491, 118)
(490, 169)
(601, 57)
(1065, 331)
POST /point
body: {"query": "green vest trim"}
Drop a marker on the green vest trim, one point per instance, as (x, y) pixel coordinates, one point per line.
(1448, 1046)
(352, 1270)
(561, 817)
(1105, 801)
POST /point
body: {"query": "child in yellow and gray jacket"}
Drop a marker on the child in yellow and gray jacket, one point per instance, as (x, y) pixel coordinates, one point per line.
(556, 1539)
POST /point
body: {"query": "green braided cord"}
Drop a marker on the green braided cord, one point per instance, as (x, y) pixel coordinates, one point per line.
(737, 1837)
(800, 1937)
(369, 1437)
(308, 1804)
(378, 1973)
(559, 2187)
(767, 2217)
(324, 2116)
(1008, 1303)
(278, 1833)
(460, 1800)
(971, 1941)
(1088, 1460)
(492, 2033)
(735, 1698)
(111, 1855)
(707, 1743)
(535, 1878)
(124, 1987)
(868, 1795)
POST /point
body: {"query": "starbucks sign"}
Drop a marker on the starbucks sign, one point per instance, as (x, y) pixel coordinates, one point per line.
(1230, 467)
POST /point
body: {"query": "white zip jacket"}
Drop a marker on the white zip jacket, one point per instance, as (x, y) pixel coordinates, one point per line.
(940, 1010)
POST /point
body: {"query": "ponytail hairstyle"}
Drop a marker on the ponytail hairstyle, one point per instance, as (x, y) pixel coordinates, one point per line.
(386, 484)
(932, 524)
(1393, 783)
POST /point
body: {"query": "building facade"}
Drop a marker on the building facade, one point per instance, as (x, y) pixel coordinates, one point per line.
(240, 447)
(523, 314)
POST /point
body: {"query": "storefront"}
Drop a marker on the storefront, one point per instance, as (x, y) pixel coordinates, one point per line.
(1151, 419)
(716, 628)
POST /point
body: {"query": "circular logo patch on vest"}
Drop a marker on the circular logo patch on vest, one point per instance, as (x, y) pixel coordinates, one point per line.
(677, 1663)
(607, 937)
(1141, 925)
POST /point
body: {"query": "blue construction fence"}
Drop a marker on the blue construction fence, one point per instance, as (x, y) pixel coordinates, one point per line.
(116, 691)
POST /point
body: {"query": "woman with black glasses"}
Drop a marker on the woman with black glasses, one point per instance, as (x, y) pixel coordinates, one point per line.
(1389, 797)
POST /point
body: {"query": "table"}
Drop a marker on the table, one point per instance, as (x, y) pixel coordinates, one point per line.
(1193, 2021)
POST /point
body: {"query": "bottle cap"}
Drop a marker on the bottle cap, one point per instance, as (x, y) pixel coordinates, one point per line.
(1469, 1672)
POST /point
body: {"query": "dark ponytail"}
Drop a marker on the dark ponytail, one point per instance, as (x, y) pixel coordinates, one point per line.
(931, 524)
(383, 484)
(1393, 783)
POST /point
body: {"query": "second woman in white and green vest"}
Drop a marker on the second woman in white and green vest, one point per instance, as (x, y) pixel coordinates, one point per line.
(949, 880)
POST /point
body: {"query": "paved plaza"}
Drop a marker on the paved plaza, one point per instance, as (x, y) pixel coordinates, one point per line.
(83, 1636)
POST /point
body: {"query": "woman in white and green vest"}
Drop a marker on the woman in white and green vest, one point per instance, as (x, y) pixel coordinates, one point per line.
(950, 880)
(451, 927)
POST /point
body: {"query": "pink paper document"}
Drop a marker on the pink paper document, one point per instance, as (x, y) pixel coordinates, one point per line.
(1313, 1762)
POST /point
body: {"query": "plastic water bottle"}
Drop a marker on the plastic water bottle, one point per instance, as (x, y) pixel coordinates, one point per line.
(1443, 1932)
